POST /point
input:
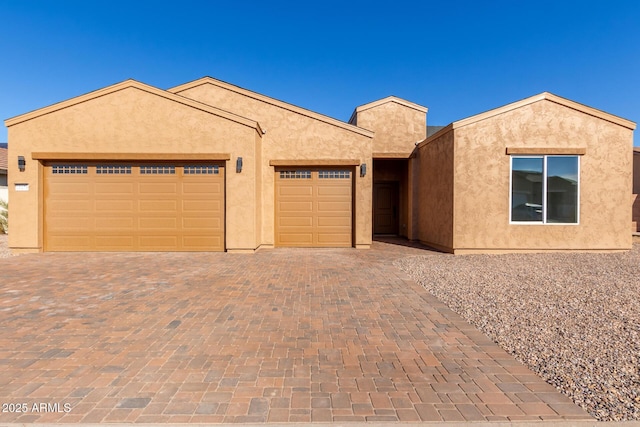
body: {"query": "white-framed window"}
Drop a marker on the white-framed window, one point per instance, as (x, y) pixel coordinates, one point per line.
(545, 189)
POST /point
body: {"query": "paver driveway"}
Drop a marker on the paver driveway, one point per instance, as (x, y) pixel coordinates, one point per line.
(277, 336)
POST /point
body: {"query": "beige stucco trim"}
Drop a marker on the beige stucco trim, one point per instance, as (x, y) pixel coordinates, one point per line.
(579, 151)
(391, 155)
(549, 97)
(130, 156)
(138, 85)
(382, 101)
(315, 162)
(271, 101)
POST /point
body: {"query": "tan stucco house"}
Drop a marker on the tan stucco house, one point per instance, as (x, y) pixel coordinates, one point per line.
(636, 191)
(209, 166)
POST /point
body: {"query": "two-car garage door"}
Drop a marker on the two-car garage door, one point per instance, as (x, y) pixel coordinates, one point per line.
(134, 207)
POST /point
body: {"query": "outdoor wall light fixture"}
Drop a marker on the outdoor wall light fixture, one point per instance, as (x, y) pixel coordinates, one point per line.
(363, 169)
(21, 163)
(239, 165)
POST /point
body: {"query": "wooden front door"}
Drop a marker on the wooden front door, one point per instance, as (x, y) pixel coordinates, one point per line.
(385, 208)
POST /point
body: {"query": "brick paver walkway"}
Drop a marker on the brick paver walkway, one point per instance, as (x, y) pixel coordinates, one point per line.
(285, 335)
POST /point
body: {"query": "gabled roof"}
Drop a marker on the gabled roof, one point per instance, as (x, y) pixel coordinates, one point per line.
(388, 99)
(4, 165)
(542, 96)
(549, 97)
(138, 85)
(271, 101)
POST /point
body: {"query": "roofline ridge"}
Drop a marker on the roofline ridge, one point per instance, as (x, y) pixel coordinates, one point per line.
(273, 101)
(138, 85)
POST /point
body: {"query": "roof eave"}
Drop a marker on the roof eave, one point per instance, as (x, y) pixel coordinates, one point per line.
(388, 99)
(548, 97)
(138, 85)
(272, 101)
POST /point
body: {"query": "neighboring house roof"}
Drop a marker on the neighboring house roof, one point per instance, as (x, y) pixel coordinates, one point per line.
(542, 96)
(636, 150)
(271, 101)
(4, 165)
(433, 129)
(141, 86)
(4, 145)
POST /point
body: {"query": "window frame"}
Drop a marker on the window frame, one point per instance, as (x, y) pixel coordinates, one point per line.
(544, 158)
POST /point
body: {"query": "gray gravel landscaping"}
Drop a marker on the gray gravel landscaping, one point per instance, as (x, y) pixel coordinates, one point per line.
(573, 318)
(4, 248)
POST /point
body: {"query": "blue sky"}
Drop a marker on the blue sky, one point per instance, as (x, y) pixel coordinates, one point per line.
(459, 58)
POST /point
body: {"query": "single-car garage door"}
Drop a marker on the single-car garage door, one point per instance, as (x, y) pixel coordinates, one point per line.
(313, 207)
(134, 207)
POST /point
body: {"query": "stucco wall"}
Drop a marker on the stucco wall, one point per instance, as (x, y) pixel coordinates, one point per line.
(435, 191)
(482, 170)
(636, 172)
(291, 135)
(131, 121)
(397, 127)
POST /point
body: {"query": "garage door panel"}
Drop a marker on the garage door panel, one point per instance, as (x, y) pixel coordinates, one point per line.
(113, 223)
(156, 243)
(201, 242)
(153, 189)
(331, 191)
(114, 206)
(340, 207)
(71, 206)
(296, 206)
(70, 223)
(111, 242)
(70, 188)
(201, 205)
(201, 223)
(155, 205)
(296, 239)
(131, 208)
(295, 221)
(331, 238)
(293, 190)
(72, 243)
(114, 188)
(335, 221)
(167, 223)
(198, 189)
